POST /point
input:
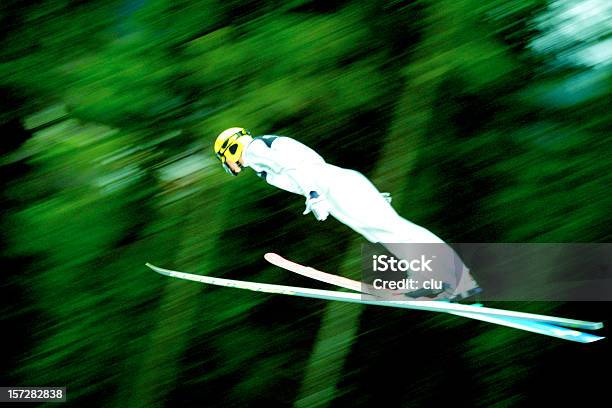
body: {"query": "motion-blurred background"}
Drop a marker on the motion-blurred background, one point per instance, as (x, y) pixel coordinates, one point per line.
(489, 121)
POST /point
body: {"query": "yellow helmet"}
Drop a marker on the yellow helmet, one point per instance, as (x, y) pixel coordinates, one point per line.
(230, 145)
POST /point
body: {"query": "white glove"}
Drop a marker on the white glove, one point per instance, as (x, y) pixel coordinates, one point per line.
(318, 206)
(387, 196)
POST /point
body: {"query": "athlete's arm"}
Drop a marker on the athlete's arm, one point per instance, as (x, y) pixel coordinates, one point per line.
(291, 162)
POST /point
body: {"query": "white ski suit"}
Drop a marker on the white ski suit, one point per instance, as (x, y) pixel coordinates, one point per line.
(290, 165)
(353, 200)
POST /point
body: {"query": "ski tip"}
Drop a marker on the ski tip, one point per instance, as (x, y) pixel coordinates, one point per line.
(271, 257)
(156, 268)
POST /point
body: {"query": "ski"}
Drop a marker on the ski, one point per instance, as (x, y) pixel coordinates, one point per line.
(560, 332)
(310, 272)
(518, 323)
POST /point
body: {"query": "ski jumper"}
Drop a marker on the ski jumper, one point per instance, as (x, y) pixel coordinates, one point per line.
(292, 166)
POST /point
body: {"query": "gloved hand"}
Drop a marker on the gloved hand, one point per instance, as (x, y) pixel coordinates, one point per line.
(387, 196)
(317, 205)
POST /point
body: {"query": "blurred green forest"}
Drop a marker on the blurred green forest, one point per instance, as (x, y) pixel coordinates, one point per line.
(488, 121)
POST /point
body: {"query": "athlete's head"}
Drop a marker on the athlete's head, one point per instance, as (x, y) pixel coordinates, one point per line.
(229, 147)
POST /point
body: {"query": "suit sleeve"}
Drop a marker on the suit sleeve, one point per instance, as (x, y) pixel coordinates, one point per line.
(295, 166)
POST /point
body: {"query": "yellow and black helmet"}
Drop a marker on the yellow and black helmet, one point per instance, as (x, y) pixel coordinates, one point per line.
(230, 145)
